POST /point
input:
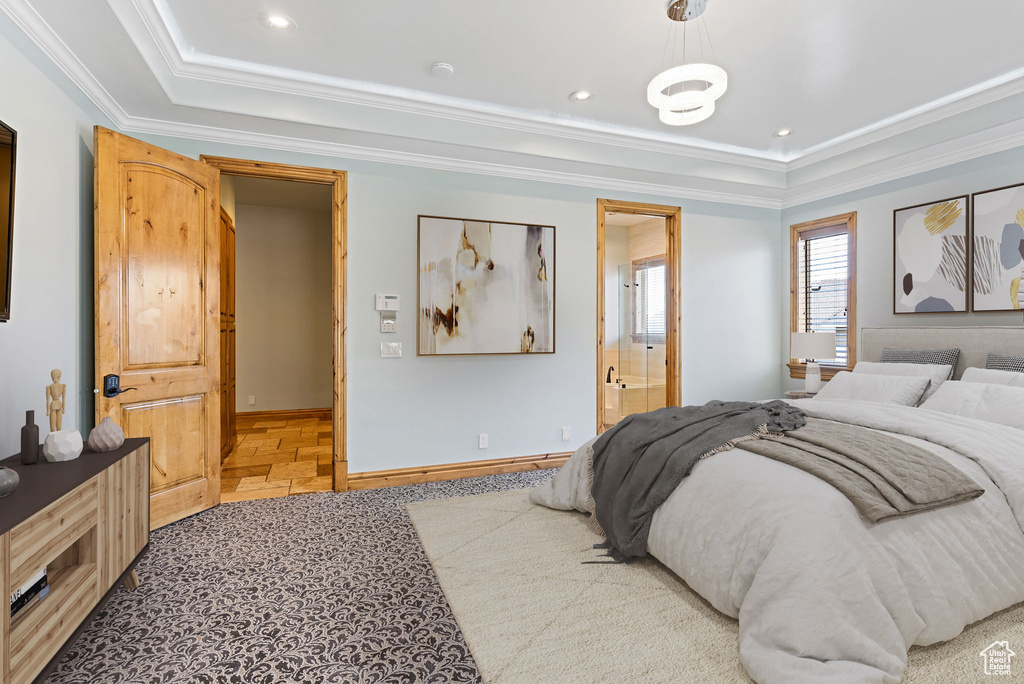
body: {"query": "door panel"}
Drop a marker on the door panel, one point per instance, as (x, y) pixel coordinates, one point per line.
(164, 247)
(157, 314)
(177, 428)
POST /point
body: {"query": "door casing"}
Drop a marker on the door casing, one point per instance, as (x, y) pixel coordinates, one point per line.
(339, 241)
(673, 243)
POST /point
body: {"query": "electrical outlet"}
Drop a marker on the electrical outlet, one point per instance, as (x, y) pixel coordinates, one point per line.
(252, 400)
(482, 443)
(566, 434)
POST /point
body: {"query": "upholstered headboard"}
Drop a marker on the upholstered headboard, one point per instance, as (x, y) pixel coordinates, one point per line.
(974, 343)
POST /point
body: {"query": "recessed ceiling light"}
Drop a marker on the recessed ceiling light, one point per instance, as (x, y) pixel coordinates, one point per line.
(278, 22)
(581, 96)
(783, 133)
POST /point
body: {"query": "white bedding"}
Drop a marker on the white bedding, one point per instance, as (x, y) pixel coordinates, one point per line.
(821, 595)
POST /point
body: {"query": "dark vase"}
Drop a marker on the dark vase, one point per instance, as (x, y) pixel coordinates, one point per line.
(30, 439)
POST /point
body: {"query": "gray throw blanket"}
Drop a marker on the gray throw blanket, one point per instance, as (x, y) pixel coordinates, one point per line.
(638, 463)
(882, 476)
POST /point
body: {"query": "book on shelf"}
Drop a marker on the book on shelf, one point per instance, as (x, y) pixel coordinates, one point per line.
(36, 587)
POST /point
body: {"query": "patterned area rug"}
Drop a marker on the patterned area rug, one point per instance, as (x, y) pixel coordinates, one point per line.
(533, 611)
(320, 588)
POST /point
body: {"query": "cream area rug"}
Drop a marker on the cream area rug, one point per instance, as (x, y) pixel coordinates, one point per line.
(532, 613)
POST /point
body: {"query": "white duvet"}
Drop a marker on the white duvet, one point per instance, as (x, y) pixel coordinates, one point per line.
(821, 595)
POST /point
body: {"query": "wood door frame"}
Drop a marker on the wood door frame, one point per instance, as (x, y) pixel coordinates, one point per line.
(673, 259)
(338, 180)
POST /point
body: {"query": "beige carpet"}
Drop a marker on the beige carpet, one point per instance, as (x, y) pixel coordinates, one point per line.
(532, 614)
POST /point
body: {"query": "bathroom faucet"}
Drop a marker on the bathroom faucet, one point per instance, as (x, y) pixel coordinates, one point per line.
(609, 378)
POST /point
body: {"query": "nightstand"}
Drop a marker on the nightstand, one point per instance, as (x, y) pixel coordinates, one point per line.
(799, 394)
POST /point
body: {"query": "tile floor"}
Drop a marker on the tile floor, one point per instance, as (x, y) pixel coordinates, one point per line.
(278, 458)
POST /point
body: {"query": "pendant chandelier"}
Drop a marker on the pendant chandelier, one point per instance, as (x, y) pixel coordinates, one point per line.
(687, 106)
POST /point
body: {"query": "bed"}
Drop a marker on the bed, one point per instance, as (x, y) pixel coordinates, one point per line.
(822, 595)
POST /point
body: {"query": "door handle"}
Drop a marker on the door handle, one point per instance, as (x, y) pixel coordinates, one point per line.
(112, 386)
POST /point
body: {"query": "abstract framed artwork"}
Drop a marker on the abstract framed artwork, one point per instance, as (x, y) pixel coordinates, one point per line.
(485, 287)
(930, 264)
(998, 249)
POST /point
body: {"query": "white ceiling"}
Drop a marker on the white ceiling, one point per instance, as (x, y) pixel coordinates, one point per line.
(890, 87)
(821, 68)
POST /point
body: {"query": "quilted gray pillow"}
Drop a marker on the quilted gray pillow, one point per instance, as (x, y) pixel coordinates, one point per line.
(939, 357)
(1005, 362)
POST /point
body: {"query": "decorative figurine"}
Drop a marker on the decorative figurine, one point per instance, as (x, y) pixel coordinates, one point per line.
(106, 436)
(55, 397)
(63, 445)
(9, 480)
(30, 439)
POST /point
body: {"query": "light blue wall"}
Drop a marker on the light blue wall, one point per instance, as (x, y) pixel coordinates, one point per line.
(421, 411)
(51, 307)
(874, 207)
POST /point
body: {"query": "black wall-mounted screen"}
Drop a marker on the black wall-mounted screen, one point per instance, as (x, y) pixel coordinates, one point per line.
(8, 154)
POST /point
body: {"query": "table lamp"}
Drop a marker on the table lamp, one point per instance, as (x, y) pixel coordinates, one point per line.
(811, 346)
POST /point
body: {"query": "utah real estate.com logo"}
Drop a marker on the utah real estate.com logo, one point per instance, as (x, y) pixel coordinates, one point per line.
(997, 658)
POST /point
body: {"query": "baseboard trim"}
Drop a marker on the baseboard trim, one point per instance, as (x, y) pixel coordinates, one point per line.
(322, 413)
(454, 471)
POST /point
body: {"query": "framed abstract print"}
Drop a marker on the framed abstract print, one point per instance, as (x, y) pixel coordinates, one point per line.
(930, 257)
(998, 249)
(485, 287)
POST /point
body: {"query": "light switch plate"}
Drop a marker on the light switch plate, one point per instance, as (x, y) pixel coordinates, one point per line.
(390, 350)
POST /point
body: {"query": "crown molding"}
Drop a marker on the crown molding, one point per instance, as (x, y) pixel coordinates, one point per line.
(46, 39)
(986, 92)
(932, 158)
(355, 152)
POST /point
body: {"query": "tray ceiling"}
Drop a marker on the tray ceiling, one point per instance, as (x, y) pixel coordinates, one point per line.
(876, 85)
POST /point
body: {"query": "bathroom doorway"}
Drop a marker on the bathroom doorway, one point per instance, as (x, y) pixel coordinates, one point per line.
(638, 305)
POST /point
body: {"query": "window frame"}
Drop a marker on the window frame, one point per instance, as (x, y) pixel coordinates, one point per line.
(826, 227)
(635, 265)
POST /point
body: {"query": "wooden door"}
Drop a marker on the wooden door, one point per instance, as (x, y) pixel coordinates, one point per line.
(158, 314)
(227, 334)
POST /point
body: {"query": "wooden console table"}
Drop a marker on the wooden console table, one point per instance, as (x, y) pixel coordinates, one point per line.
(87, 521)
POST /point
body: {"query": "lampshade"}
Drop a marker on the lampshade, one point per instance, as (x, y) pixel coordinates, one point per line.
(813, 346)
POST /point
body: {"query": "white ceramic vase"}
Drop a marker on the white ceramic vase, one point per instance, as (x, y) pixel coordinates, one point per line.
(63, 445)
(106, 436)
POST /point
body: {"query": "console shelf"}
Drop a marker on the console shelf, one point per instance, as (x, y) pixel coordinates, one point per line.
(87, 522)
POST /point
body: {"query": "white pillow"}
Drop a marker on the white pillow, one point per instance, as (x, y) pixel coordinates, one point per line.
(995, 403)
(935, 373)
(993, 377)
(886, 389)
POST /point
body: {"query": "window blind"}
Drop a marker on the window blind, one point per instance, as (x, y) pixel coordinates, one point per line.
(649, 301)
(824, 288)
